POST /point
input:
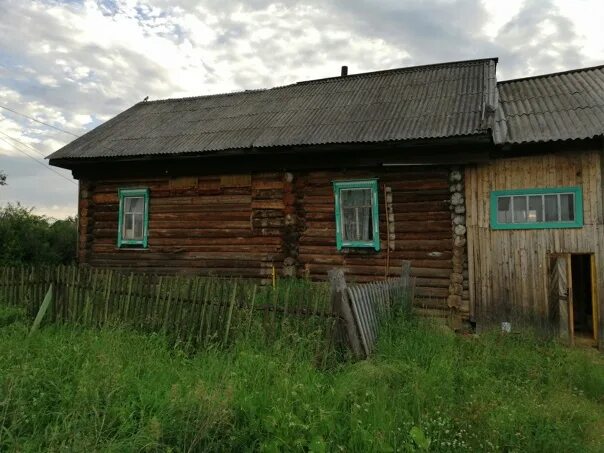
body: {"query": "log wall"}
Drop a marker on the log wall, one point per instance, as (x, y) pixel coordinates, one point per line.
(244, 224)
(418, 229)
(224, 225)
(509, 268)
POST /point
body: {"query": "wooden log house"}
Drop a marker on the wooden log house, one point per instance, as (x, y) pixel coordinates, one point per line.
(492, 190)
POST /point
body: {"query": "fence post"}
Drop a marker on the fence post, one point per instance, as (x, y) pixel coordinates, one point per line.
(405, 271)
(341, 307)
(406, 283)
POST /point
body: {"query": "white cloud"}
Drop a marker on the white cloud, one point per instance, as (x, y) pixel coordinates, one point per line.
(76, 64)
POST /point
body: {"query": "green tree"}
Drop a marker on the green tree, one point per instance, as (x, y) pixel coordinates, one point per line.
(2, 178)
(28, 238)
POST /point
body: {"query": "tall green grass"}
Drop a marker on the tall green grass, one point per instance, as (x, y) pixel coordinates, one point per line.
(75, 389)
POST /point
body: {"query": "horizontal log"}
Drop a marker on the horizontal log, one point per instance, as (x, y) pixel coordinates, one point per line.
(215, 271)
(267, 194)
(261, 184)
(422, 225)
(400, 227)
(420, 268)
(192, 216)
(239, 180)
(268, 204)
(177, 249)
(319, 233)
(216, 223)
(330, 249)
(193, 264)
(386, 176)
(406, 197)
(203, 200)
(420, 206)
(425, 184)
(203, 233)
(267, 223)
(432, 292)
(431, 282)
(191, 233)
(437, 216)
(196, 259)
(439, 245)
(442, 215)
(191, 242)
(105, 198)
(182, 225)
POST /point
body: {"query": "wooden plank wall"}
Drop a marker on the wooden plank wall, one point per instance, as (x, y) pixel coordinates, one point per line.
(243, 225)
(509, 268)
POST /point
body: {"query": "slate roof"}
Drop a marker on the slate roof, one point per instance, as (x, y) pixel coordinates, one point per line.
(423, 102)
(563, 106)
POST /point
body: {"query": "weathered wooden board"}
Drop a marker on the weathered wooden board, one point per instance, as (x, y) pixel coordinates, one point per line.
(510, 267)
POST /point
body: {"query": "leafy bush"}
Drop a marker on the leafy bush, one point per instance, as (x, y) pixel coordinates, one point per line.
(74, 389)
(28, 238)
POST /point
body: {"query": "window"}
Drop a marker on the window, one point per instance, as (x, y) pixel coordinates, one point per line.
(133, 217)
(537, 208)
(357, 222)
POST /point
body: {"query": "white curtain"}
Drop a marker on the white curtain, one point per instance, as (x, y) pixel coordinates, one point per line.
(356, 215)
(133, 218)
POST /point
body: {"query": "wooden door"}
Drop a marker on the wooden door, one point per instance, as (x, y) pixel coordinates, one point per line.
(561, 295)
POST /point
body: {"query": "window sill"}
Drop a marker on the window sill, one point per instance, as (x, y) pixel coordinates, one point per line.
(358, 250)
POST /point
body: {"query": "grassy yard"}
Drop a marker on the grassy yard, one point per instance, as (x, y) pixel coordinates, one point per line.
(75, 389)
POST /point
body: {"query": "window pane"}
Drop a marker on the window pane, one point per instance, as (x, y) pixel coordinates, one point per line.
(551, 208)
(519, 209)
(357, 222)
(134, 204)
(535, 210)
(355, 197)
(138, 227)
(504, 210)
(567, 207)
(128, 230)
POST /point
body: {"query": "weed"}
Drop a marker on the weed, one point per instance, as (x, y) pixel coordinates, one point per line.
(113, 389)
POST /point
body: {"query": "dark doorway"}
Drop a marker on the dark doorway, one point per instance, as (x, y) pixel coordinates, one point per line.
(582, 295)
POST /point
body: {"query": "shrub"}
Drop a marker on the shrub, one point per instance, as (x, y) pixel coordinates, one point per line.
(28, 238)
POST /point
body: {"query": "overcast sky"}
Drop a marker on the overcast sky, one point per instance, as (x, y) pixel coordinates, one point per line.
(75, 64)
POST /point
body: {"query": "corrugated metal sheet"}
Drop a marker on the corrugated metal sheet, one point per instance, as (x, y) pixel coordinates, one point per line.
(563, 106)
(443, 100)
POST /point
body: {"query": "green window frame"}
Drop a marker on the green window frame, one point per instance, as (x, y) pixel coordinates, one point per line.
(341, 241)
(123, 194)
(525, 218)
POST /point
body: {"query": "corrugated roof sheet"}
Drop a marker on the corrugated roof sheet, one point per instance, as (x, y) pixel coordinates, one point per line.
(442, 100)
(563, 106)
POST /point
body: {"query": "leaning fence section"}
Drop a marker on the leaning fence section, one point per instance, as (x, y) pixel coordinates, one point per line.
(364, 307)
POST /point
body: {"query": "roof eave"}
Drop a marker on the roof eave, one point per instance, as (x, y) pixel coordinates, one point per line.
(477, 138)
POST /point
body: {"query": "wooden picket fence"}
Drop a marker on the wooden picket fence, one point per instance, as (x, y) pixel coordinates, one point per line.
(364, 307)
(199, 310)
(207, 310)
